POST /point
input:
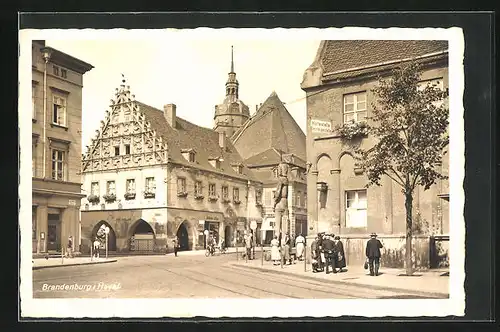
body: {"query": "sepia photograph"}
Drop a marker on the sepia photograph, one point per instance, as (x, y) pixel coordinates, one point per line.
(257, 170)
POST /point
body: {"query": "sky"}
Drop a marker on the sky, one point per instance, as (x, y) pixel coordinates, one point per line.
(190, 73)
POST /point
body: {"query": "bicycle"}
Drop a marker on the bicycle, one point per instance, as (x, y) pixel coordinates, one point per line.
(222, 250)
(210, 251)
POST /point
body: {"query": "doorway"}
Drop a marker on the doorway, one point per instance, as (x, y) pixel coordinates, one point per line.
(183, 235)
(98, 233)
(54, 232)
(143, 237)
(228, 236)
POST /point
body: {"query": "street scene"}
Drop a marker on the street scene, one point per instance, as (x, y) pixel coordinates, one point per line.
(225, 169)
(220, 276)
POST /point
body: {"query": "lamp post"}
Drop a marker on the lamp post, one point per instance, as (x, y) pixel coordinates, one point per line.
(106, 231)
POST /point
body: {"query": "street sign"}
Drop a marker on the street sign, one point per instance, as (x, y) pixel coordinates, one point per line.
(253, 225)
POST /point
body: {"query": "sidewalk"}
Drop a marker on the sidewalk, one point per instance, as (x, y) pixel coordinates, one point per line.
(42, 263)
(428, 283)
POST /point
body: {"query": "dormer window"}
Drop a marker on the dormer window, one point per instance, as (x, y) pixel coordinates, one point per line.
(215, 162)
(189, 154)
(238, 168)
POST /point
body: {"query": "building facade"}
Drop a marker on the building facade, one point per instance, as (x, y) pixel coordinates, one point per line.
(339, 87)
(150, 176)
(57, 82)
(268, 137)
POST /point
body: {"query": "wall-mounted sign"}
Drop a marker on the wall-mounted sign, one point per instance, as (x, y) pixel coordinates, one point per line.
(72, 202)
(212, 218)
(201, 222)
(319, 126)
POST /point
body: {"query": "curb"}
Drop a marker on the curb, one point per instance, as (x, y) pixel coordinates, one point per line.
(73, 264)
(374, 287)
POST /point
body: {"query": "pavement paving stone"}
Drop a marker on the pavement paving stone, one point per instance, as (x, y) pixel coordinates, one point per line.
(430, 282)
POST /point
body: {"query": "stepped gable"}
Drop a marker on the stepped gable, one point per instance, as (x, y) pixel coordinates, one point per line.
(271, 127)
(346, 58)
(204, 141)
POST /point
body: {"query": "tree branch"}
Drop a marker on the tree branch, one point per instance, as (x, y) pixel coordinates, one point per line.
(393, 179)
(397, 174)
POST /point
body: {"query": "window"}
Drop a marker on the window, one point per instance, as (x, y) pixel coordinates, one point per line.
(211, 189)
(198, 190)
(64, 73)
(58, 163)
(59, 111)
(356, 205)
(131, 186)
(305, 200)
(33, 100)
(181, 185)
(297, 199)
(127, 149)
(150, 185)
(191, 157)
(225, 192)
(33, 223)
(94, 188)
(126, 115)
(55, 70)
(258, 196)
(355, 107)
(117, 150)
(236, 194)
(33, 160)
(110, 188)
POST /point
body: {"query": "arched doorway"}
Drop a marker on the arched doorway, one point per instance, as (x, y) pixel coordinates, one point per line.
(142, 236)
(99, 232)
(228, 236)
(183, 235)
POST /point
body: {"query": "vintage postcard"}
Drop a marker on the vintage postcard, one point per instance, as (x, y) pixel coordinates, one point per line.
(242, 173)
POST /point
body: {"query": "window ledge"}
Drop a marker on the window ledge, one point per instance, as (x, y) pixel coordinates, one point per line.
(55, 125)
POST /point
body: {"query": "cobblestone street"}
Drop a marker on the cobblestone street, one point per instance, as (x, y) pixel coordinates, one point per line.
(186, 276)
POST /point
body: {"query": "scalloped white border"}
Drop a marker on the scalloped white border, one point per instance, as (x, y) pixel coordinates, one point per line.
(150, 308)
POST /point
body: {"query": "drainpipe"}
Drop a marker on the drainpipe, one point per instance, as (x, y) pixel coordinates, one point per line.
(46, 56)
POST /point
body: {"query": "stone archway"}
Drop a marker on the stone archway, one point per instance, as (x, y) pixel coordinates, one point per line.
(142, 236)
(185, 241)
(98, 232)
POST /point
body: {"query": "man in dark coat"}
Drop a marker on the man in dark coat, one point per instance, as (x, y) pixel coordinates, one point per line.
(373, 254)
(330, 252)
(317, 265)
(340, 254)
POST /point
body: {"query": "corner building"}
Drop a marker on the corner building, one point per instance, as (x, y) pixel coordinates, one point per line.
(150, 175)
(57, 82)
(338, 86)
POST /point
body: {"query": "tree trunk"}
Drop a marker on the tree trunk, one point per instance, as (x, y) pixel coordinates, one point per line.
(408, 206)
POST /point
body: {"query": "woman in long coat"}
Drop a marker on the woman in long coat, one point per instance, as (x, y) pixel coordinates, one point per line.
(275, 251)
(340, 254)
(299, 244)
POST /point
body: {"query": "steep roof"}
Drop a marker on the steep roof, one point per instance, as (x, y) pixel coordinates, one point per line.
(343, 58)
(271, 127)
(204, 141)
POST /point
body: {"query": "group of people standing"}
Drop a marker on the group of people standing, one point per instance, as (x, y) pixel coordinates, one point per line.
(327, 251)
(281, 248)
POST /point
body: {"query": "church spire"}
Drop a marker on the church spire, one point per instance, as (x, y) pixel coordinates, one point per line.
(232, 62)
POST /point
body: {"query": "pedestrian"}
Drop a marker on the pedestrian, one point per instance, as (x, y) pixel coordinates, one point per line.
(70, 247)
(373, 247)
(316, 263)
(341, 263)
(176, 245)
(300, 242)
(248, 245)
(275, 251)
(286, 249)
(97, 245)
(329, 251)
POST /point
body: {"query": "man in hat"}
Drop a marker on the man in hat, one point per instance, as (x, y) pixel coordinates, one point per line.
(330, 252)
(373, 254)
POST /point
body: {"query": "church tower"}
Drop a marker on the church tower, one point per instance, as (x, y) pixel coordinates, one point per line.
(232, 113)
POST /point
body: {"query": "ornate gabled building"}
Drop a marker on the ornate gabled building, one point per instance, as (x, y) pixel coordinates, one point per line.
(232, 113)
(269, 136)
(150, 175)
(338, 86)
(57, 83)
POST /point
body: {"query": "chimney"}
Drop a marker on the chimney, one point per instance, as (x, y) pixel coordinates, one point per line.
(222, 140)
(169, 111)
